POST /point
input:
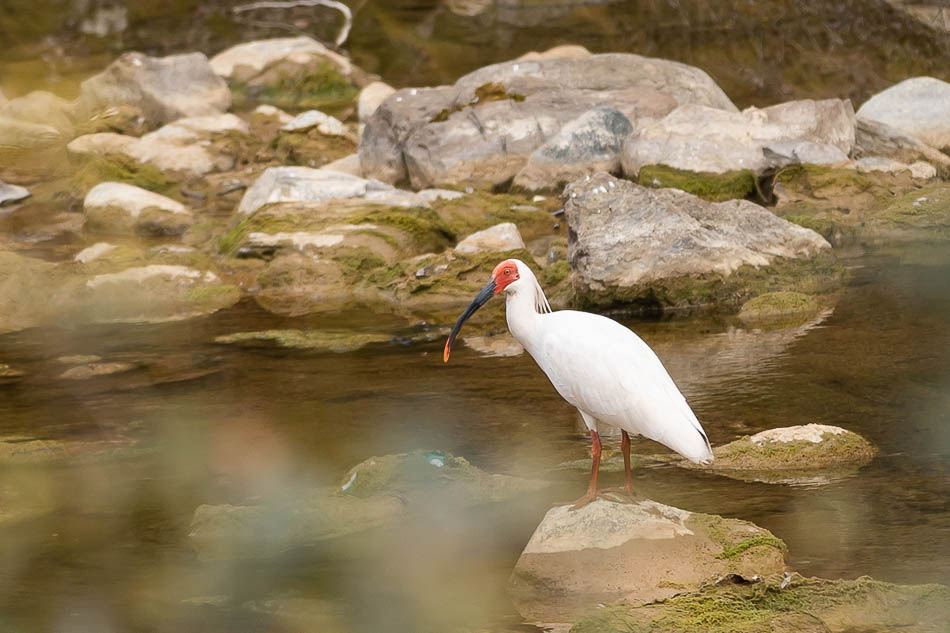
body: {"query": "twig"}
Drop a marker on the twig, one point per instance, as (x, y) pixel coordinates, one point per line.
(290, 4)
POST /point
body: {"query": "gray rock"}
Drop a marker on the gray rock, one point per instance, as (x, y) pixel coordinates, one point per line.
(627, 242)
(371, 97)
(441, 135)
(639, 551)
(12, 193)
(703, 139)
(347, 165)
(918, 107)
(303, 184)
(165, 89)
(557, 52)
(588, 144)
(122, 209)
(786, 153)
(873, 138)
(324, 123)
(498, 238)
(919, 169)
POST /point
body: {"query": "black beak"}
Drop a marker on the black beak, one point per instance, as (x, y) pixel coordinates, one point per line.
(480, 299)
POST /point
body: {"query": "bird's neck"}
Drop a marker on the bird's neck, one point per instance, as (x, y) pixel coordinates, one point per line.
(523, 317)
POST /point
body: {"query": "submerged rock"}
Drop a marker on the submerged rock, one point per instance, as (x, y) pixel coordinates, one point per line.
(338, 341)
(121, 209)
(918, 107)
(378, 491)
(784, 307)
(640, 551)
(164, 89)
(93, 370)
(666, 248)
(790, 604)
(18, 450)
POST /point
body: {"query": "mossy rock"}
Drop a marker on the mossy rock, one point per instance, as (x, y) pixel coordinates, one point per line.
(707, 185)
(847, 207)
(338, 341)
(93, 169)
(807, 447)
(318, 85)
(779, 308)
(819, 275)
(311, 148)
(792, 605)
(483, 94)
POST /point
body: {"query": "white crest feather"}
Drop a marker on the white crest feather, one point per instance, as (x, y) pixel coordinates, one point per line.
(540, 301)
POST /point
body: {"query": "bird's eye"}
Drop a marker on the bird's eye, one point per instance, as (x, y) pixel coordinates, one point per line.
(507, 271)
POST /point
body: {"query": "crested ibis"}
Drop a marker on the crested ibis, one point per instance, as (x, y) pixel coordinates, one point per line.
(597, 365)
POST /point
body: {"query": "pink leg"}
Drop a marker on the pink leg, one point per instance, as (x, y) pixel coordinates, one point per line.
(595, 469)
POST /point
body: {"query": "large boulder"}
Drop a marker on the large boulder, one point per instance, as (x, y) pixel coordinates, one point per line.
(918, 107)
(698, 138)
(666, 248)
(122, 209)
(498, 238)
(873, 138)
(163, 88)
(482, 130)
(639, 551)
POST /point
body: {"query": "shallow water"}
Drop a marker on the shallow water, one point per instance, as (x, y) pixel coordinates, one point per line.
(106, 547)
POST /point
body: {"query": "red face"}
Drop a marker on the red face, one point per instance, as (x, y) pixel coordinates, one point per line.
(505, 274)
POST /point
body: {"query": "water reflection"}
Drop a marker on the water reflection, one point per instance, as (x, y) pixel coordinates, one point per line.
(103, 545)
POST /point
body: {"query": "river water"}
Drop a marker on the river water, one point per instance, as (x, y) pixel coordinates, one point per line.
(106, 547)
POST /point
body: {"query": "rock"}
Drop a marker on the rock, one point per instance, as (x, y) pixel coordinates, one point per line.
(91, 253)
(295, 284)
(271, 111)
(156, 293)
(847, 206)
(588, 144)
(371, 97)
(41, 108)
(666, 248)
(324, 123)
(498, 238)
(321, 340)
(185, 147)
(782, 604)
(702, 139)
(22, 135)
(23, 450)
(165, 89)
(121, 209)
(351, 165)
(377, 491)
(920, 169)
(8, 373)
(878, 139)
(93, 370)
(785, 153)
(79, 359)
(291, 72)
(640, 551)
(918, 107)
(12, 193)
(557, 52)
(783, 307)
(481, 131)
(303, 184)
(499, 345)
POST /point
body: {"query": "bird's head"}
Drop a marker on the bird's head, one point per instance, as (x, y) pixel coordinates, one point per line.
(511, 276)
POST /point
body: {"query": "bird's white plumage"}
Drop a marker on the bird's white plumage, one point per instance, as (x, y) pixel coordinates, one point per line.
(605, 370)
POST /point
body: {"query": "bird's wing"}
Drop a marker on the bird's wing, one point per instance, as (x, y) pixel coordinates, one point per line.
(607, 371)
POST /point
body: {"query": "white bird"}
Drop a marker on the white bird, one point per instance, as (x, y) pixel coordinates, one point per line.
(599, 366)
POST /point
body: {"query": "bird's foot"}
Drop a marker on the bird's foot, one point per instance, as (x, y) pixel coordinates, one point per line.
(620, 494)
(583, 501)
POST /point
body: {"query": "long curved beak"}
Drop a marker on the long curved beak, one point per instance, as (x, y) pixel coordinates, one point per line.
(480, 299)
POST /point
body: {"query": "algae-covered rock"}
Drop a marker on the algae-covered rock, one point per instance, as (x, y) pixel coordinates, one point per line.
(377, 491)
(118, 208)
(665, 248)
(640, 551)
(782, 605)
(706, 185)
(877, 207)
(785, 307)
(338, 341)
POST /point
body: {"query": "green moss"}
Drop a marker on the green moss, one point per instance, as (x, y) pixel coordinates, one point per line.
(357, 263)
(115, 168)
(733, 535)
(555, 274)
(783, 305)
(213, 297)
(763, 540)
(287, 85)
(311, 148)
(424, 227)
(262, 221)
(797, 455)
(706, 185)
(483, 94)
(480, 210)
